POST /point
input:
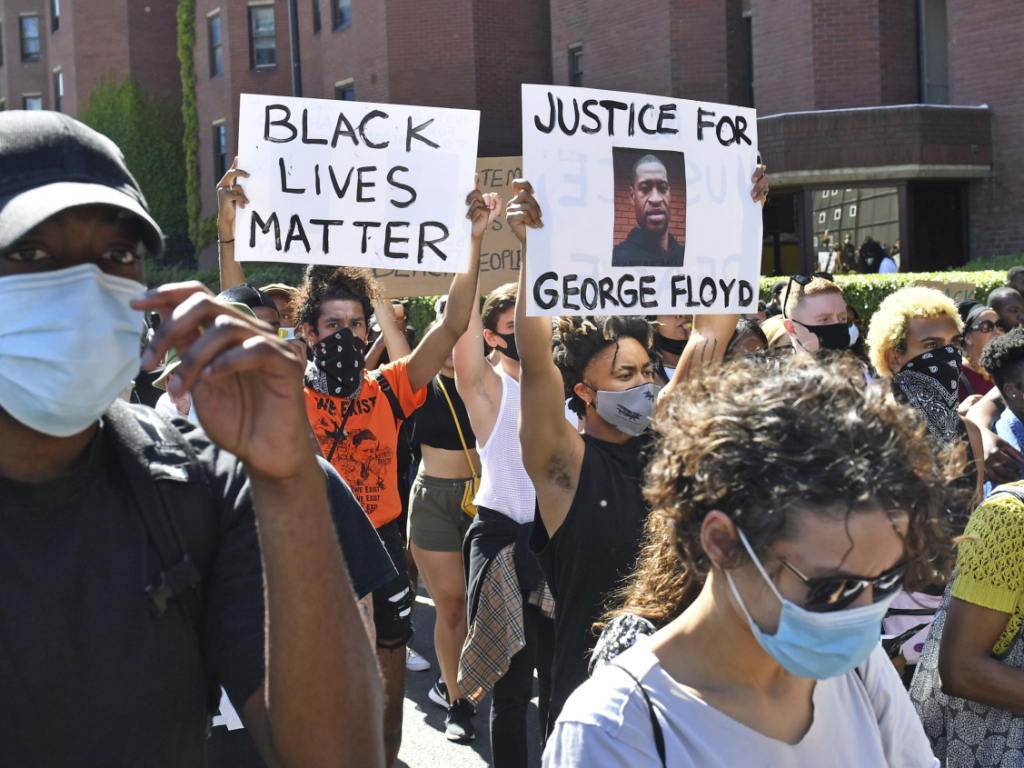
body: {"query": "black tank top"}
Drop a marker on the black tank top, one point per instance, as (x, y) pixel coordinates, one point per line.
(432, 422)
(594, 549)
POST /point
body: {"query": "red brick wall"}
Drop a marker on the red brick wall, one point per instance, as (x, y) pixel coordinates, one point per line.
(358, 51)
(153, 47)
(512, 47)
(986, 66)
(708, 61)
(847, 51)
(625, 214)
(897, 22)
(783, 56)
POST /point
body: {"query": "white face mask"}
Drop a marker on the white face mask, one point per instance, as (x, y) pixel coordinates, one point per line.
(854, 334)
(69, 344)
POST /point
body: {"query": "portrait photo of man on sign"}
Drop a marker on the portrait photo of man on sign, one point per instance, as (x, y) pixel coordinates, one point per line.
(650, 208)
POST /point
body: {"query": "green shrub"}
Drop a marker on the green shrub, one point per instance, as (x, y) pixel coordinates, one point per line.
(256, 273)
(865, 292)
(998, 262)
(149, 132)
(189, 114)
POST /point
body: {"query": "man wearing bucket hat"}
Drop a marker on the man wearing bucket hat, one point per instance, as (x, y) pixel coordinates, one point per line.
(131, 561)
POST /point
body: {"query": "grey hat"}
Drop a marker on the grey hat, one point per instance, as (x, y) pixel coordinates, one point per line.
(50, 162)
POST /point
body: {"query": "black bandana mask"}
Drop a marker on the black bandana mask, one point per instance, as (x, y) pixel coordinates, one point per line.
(341, 360)
(665, 344)
(929, 382)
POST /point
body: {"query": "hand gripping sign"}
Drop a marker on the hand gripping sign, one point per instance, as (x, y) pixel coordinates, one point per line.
(348, 183)
(646, 204)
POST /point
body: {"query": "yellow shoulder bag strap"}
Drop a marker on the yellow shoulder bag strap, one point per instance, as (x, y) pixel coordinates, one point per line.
(472, 486)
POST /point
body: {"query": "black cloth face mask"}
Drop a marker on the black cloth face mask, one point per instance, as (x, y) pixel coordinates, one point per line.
(672, 346)
(341, 359)
(835, 337)
(511, 352)
(929, 383)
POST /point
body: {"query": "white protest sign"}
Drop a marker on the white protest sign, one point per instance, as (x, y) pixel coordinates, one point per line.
(646, 204)
(348, 183)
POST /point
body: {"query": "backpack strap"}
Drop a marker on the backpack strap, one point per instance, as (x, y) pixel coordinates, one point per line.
(1010, 488)
(659, 737)
(385, 386)
(150, 450)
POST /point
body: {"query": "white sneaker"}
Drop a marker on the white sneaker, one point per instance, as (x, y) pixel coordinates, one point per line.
(414, 662)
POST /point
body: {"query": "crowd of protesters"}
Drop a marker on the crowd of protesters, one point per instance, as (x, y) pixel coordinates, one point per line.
(692, 530)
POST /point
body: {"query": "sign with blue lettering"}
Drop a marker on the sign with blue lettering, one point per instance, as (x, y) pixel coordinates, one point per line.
(355, 184)
(645, 201)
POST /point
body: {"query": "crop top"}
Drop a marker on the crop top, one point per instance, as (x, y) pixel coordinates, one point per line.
(433, 425)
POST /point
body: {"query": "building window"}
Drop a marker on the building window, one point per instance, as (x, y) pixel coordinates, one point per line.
(341, 10)
(33, 101)
(216, 46)
(933, 51)
(30, 38)
(262, 46)
(345, 91)
(54, 15)
(316, 16)
(58, 91)
(576, 65)
(220, 151)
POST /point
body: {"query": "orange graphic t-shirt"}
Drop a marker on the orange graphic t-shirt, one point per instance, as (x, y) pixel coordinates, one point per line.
(365, 456)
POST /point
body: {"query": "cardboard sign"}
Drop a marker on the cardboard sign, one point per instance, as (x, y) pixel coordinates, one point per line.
(955, 291)
(499, 255)
(646, 204)
(348, 183)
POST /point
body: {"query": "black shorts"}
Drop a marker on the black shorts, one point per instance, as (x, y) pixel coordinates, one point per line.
(392, 603)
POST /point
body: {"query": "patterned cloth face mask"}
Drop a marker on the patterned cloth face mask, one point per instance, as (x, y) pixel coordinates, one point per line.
(930, 382)
(341, 360)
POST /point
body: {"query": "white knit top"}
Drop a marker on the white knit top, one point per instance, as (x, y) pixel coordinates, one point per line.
(504, 486)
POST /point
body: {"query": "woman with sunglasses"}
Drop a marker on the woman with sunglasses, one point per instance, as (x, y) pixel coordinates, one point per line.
(981, 325)
(815, 313)
(793, 534)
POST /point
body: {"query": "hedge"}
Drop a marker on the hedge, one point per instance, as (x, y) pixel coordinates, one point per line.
(865, 292)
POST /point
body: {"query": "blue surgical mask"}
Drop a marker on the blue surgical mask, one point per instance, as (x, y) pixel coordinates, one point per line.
(817, 645)
(69, 345)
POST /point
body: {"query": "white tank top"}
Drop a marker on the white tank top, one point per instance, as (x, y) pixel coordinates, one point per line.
(504, 485)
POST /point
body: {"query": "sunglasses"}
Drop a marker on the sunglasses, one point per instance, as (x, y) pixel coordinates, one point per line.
(803, 280)
(986, 326)
(834, 593)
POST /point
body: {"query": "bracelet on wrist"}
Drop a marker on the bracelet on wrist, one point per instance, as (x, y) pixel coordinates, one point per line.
(227, 241)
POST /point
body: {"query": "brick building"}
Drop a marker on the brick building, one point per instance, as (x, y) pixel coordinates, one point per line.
(55, 51)
(876, 117)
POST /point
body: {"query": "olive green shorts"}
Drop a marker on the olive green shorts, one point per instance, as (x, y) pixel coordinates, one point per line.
(436, 520)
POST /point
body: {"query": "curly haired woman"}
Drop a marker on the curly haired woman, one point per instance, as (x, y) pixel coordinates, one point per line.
(799, 503)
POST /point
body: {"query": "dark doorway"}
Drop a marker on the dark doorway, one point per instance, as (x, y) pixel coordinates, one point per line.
(938, 226)
(780, 248)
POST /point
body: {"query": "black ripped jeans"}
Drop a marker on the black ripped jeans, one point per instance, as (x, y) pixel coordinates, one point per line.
(513, 692)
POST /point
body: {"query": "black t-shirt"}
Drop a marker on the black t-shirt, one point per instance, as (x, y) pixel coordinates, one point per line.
(641, 250)
(89, 675)
(369, 568)
(594, 549)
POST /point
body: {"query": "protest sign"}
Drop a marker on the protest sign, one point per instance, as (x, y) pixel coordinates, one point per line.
(955, 291)
(646, 204)
(499, 254)
(348, 183)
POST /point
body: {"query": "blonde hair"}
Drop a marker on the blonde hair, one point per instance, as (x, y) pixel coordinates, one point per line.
(891, 320)
(817, 287)
(774, 330)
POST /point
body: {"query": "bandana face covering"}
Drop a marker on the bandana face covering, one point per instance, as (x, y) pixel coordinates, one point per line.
(665, 344)
(341, 360)
(929, 382)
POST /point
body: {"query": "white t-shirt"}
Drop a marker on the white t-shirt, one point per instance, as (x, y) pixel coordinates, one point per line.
(857, 723)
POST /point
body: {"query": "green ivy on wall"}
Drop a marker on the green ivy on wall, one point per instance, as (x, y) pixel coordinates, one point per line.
(190, 115)
(148, 130)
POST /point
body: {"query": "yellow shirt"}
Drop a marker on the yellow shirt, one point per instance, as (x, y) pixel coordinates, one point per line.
(990, 564)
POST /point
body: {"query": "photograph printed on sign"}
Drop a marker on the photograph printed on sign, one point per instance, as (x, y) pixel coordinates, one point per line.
(650, 208)
(355, 184)
(645, 201)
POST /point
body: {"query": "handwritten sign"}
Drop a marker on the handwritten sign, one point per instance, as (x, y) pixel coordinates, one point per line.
(499, 255)
(646, 204)
(350, 183)
(955, 291)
